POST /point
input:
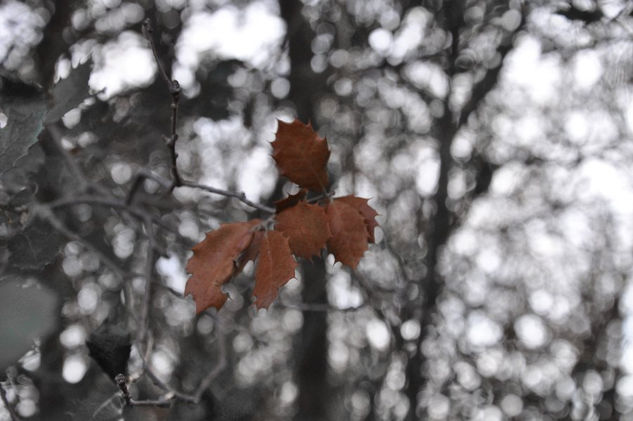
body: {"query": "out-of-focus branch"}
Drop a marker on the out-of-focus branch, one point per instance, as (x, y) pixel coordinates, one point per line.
(147, 294)
(142, 175)
(320, 307)
(44, 212)
(109, 202)
(145, 174)
(174, 92)
(172, 393)
(3, 395)
(71, 164)
(424, 305)
(215, 371)
(489, 81)
(122, 385)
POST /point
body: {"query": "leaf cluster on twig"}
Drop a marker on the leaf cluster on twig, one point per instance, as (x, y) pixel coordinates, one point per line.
(298, 228)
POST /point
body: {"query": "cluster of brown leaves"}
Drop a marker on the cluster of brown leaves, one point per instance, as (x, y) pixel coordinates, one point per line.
(345, 225)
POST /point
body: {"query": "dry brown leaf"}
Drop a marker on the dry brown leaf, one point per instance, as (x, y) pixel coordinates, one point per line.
(291, 200)
(306, 227)
(213, 263)
(275, 267)
(301, 155)
(349, 239)
(362, 206)
(251, 251)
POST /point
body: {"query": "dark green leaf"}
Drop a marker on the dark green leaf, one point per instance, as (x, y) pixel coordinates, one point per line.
(26, 313)
(70, 92)
(110, 347)
(34, 247)
(19, 183)
(25, 108)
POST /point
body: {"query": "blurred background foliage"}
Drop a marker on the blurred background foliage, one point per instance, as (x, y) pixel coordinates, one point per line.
(494, 138)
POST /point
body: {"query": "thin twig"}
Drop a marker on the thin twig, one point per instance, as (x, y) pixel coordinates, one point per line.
(141, 176)
(45, 213)
(174, 92)
(172, 393)
(221, 364)
(121, 382)
(147, 295)
(161, 403)
(105, 404)
(175, 98)
(370, 291)
(72, 166)
(109, 202)
(85, 185)
(96, 200)
(7, 405)
(148, 33)
(321, 196)
(241, 196)
(320, 307)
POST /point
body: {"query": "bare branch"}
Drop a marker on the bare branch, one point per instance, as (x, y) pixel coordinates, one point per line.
(221, 365)
(174, 91)
(141, 176)
(121, 382)
(105, 404)
(3, 395)
(44, 212)
(319, 307)
(489, 81)
(173, 393)
(148, 33)
(73, 167)
(147, 295)
(241, 196)
(161, 403)
(109, 202)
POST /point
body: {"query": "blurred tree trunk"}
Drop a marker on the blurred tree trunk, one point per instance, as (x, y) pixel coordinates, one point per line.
(53, 44)
(311, 356)
(311, 369)
(439, 224)
(442, 222)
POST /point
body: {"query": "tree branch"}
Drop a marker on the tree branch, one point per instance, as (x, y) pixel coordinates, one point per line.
(3, 395)
(44, 212)
(173, 393)
(489, 81)
(147, 295)
(109, 202)
(141, 176)
(241, 196)
(320, 307)
(174, 92)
